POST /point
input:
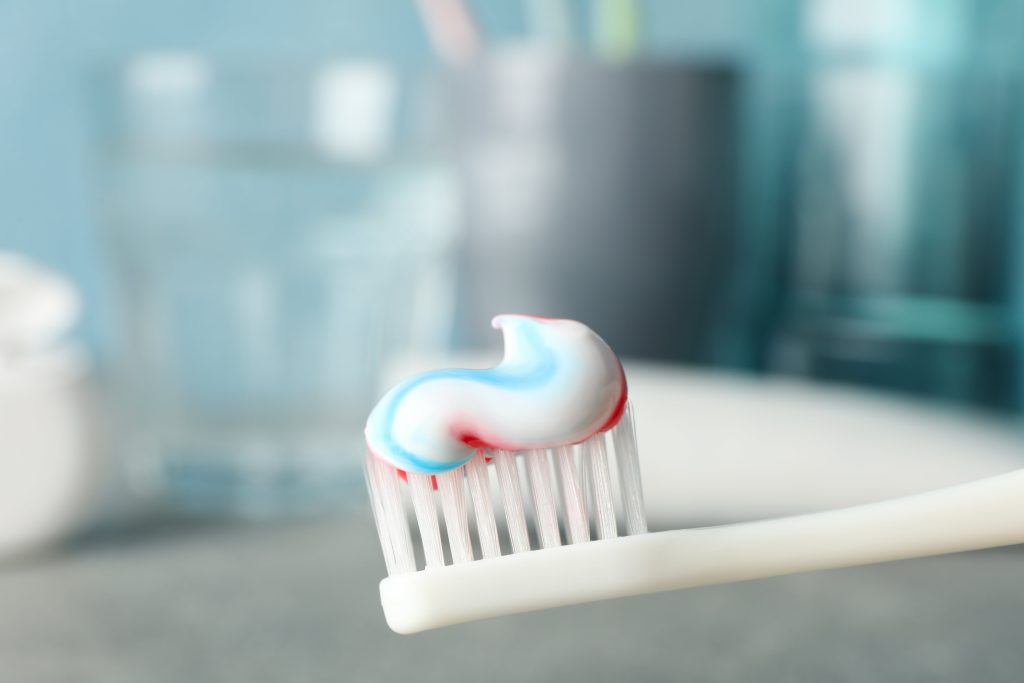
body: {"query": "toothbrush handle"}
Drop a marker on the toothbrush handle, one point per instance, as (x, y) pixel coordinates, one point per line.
(982, 514)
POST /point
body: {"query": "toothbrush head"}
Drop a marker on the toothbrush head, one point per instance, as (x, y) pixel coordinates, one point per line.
(551, 420)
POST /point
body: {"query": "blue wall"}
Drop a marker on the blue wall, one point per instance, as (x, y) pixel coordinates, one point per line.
(50, 48)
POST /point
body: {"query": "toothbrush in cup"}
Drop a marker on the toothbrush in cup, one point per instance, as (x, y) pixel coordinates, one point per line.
(550, 430)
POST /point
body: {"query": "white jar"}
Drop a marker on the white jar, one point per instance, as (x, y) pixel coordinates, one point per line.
(48, 466)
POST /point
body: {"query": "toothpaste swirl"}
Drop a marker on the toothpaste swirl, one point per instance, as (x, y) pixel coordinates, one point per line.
(559, 383)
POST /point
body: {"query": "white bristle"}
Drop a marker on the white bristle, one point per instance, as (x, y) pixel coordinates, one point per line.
(483, 510)
(584, 470)
(538, 470)
(452, 490)
(378, 513)
(628, 460)
(421, 490)
(602, 505)
(577, 522)
(512, 500)
(392, 526)
(585, 486)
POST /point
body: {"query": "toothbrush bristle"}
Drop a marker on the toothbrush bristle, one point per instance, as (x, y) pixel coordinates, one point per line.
(572, 494)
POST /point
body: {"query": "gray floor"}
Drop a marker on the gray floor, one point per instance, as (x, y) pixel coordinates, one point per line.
(294, 603)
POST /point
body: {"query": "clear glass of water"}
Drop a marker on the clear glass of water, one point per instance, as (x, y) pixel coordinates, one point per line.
(273, 234)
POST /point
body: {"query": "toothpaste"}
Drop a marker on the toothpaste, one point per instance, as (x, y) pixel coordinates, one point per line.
(558, 384)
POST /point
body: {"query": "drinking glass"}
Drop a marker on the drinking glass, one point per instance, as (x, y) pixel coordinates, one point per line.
(274, 234)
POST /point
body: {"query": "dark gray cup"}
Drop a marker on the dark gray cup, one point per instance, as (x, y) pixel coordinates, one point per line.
(598, 192)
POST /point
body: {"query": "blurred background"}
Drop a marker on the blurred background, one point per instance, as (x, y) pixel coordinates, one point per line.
(226, 228)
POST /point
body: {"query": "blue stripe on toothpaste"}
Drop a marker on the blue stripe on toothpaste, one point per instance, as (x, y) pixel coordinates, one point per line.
(537, 371)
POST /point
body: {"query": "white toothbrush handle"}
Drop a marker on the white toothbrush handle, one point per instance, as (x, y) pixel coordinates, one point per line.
(982, 514)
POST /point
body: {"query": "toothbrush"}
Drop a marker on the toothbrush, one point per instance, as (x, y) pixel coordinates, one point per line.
(553, 419)
(451, 30)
